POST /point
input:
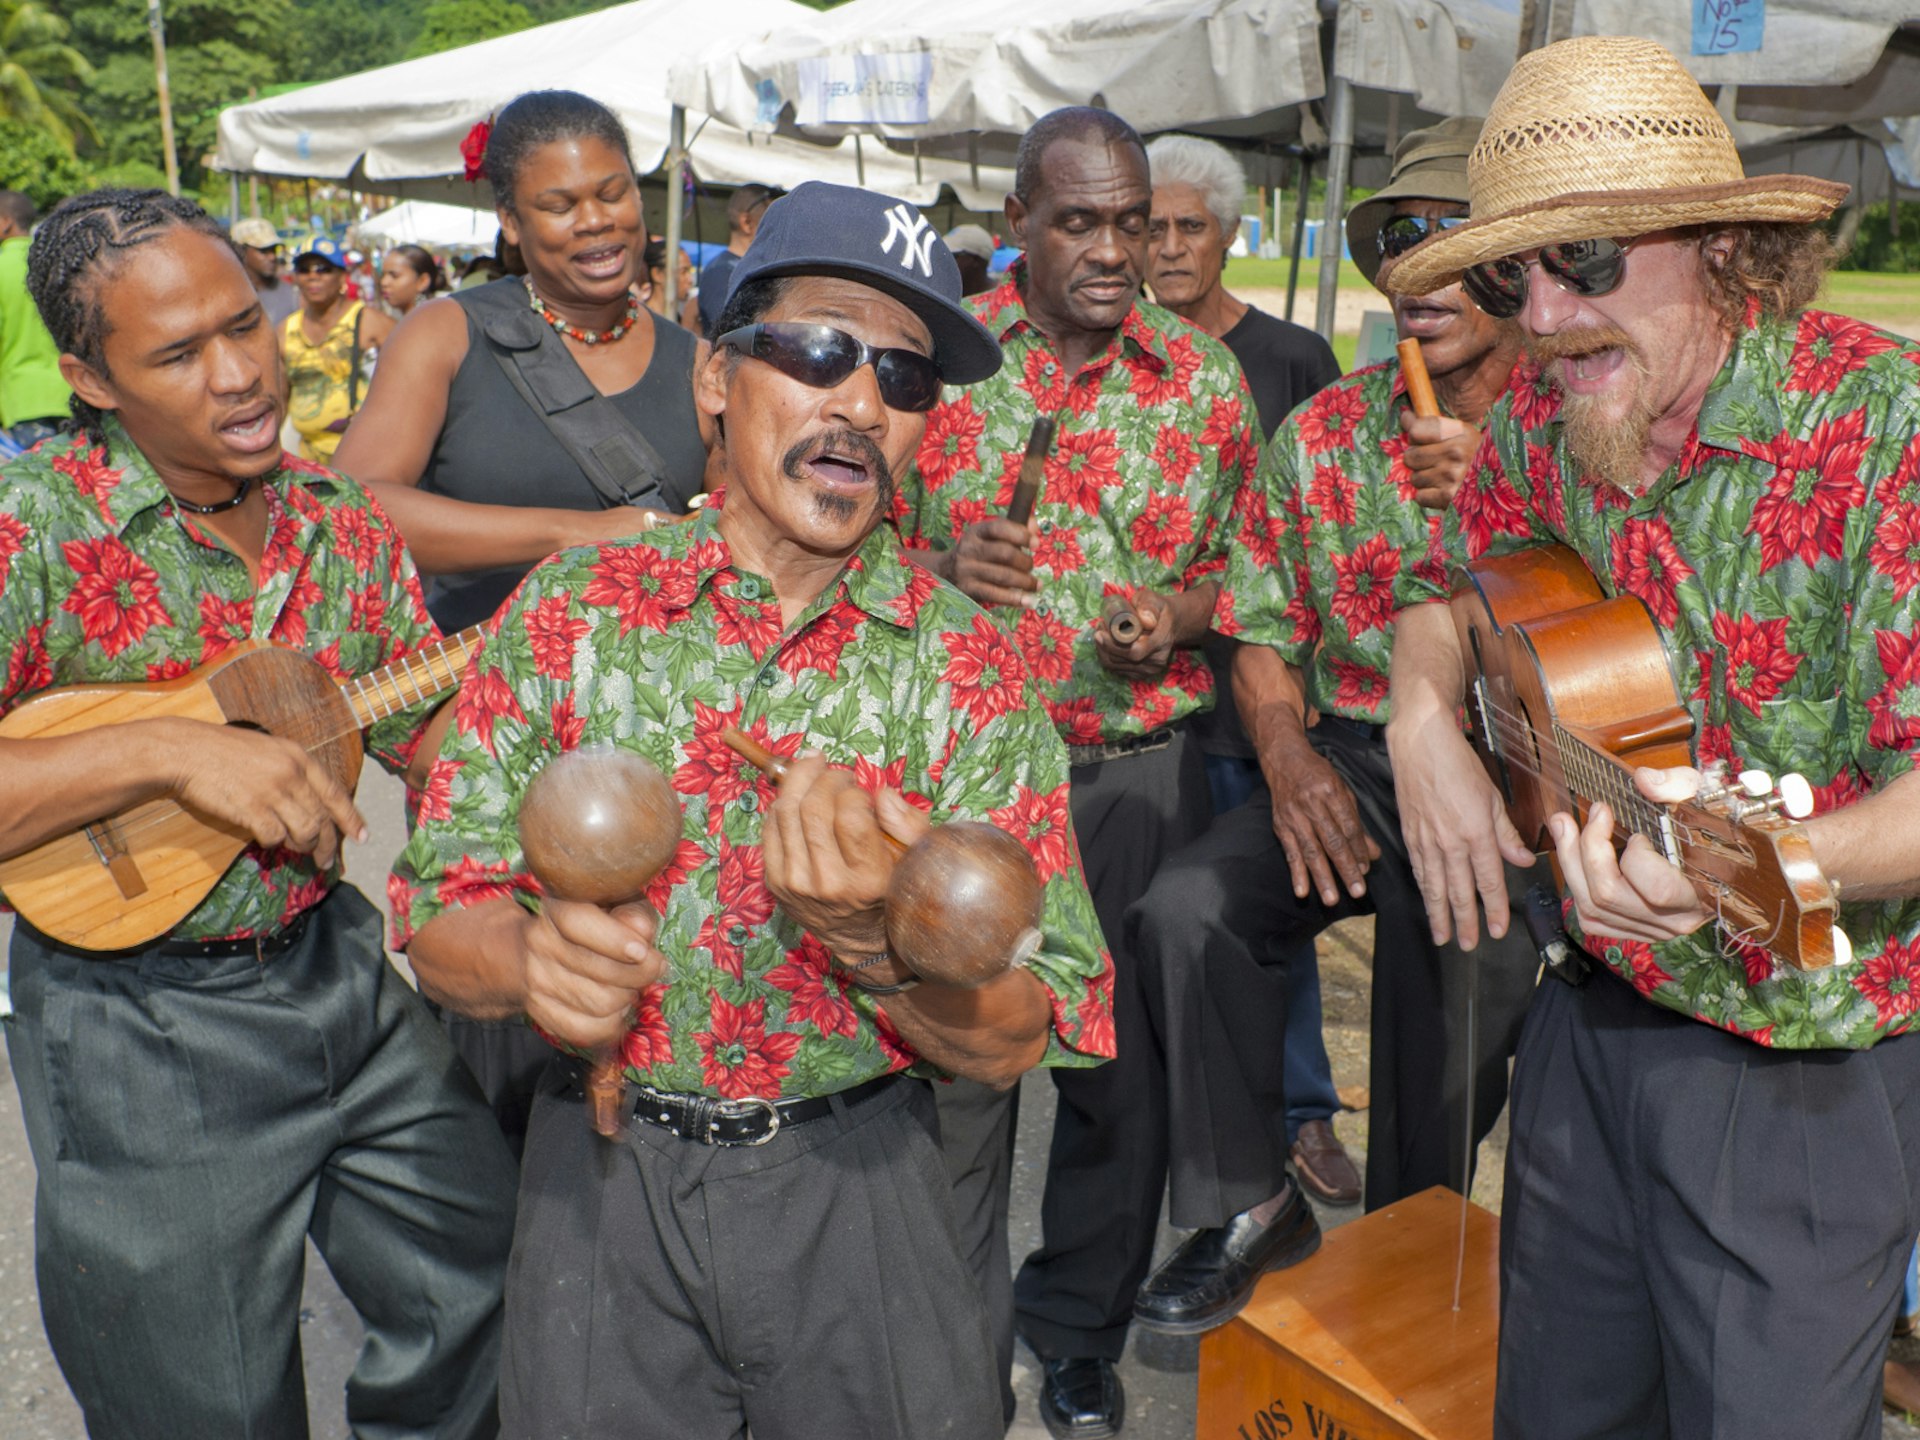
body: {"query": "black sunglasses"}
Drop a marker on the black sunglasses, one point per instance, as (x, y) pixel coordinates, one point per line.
(1586, 267)
(318, 268)
(821, 356)
(1403, 232)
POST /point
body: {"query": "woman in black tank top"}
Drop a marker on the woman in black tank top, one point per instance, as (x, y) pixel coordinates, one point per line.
(479, 485)
(472, 471)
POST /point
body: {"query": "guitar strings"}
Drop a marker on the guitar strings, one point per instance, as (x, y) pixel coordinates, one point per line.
(454, 650)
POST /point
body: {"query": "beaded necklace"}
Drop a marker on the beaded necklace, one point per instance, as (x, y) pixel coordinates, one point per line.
(586, 337)
(218, 506)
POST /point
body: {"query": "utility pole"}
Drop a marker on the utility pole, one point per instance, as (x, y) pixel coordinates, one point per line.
(159, 29)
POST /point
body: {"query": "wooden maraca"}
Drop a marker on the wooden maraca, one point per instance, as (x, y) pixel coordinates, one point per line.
(963, 905)
(597, 825)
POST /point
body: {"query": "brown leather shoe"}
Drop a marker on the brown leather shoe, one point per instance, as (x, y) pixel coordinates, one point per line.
(1325, 1170)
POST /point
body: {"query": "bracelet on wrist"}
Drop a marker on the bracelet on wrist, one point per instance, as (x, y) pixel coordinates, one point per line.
(879, 959)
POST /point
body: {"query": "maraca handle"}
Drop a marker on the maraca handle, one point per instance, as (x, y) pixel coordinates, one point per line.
(606, 1085)
(1123, 621)
(775, 768)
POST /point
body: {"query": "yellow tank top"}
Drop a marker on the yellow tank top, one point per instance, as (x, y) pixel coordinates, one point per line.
(320, 381)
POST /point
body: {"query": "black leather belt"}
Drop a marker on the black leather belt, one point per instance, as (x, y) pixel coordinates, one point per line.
(1366, 729)
(261, 947)
(753, 1121)
(1139, 745)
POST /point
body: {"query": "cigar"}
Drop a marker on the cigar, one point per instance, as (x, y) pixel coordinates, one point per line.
(1413, 365)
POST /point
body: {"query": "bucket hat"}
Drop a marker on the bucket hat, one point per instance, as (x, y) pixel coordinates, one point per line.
(1428, 164)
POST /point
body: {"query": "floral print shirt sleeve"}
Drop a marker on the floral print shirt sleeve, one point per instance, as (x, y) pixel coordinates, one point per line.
(1780, 556)
(1323, 544)
(104, 580)
(1156, 437)
(659, 643)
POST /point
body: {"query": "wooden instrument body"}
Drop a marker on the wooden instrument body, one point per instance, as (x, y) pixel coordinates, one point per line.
(1558, 670)
(128, 878)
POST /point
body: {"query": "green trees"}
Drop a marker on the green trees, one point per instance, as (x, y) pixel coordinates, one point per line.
(41, 74)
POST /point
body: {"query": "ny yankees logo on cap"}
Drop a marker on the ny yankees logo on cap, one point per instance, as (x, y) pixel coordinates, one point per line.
(916, 247)
(879, 240)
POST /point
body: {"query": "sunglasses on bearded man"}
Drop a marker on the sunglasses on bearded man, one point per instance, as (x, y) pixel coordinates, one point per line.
(1586, 268)
(822, 357)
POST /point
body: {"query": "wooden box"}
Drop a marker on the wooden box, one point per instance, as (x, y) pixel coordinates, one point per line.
(1362, 1342)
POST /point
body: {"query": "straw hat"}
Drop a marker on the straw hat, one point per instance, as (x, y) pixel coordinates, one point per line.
(1428, 164)
(1603, 136)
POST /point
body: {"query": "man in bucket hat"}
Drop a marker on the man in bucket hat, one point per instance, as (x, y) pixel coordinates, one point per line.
(1709, 1197)
(770, 1242)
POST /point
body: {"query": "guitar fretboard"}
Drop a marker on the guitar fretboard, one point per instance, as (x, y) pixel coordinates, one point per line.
(427, 672)
(1593, 774)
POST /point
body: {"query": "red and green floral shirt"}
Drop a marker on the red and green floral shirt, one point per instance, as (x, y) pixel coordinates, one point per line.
(1780, 556)
(1156, 436)
(656, 645)
(1319, 547)
(104, 580)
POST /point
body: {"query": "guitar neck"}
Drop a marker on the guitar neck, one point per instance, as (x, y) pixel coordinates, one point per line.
(1594, 775)
(428, 672)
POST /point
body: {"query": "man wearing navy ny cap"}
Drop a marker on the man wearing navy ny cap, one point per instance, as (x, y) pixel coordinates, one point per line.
(769, 1244)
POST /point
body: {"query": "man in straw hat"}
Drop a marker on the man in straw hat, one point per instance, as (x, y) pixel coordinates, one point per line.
(1709, 1198)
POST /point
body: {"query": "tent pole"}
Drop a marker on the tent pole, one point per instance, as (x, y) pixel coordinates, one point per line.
(1299, 230)
(676, 188)
(233, 196)
(1339, 160)
(859, 161)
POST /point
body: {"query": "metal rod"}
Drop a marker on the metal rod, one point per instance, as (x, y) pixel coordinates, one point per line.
(676, 190)
(1339, 160)
(1299, 230)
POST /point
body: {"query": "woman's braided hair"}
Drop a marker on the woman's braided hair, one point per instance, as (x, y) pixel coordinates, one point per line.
(80, 245)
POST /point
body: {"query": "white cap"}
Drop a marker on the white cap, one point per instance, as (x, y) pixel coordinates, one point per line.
(970, 240)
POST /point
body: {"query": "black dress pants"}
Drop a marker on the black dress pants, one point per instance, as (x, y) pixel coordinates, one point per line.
(1701, 1238)
(1106, 1168)
(1210, 940)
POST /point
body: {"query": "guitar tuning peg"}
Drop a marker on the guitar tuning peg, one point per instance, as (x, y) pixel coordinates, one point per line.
(1842, 947)
(1756, 782)
(1796, 795)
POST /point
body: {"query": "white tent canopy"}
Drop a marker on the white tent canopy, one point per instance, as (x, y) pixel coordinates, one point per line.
(405, 122)
(422, 222)
(991, 68)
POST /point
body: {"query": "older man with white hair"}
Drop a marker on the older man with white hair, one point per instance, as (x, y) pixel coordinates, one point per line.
(1198, 187)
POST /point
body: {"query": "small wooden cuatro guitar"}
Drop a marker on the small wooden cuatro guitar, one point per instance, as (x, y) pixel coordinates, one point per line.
(1571, 692)
(129, 878)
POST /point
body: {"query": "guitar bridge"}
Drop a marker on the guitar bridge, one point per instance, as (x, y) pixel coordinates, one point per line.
(103, 836)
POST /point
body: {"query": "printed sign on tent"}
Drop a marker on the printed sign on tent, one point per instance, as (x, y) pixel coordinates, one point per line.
(865, 89)
(1728, 27)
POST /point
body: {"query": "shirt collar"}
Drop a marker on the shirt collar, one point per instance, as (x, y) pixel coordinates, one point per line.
(1003, 310)
(877, 578)
(124, 484)
(1744, 399)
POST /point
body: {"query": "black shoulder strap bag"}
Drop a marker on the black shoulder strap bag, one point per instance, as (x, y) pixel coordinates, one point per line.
(621, 463)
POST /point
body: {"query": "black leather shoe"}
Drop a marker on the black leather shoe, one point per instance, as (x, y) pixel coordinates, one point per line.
(1211, 1276)
(1081, 1399)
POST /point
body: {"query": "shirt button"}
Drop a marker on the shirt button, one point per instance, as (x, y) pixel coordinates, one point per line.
(1046, 527)
(1043, 608)
(767, 679)
(737, 934)
(749, 588)
(750, 801)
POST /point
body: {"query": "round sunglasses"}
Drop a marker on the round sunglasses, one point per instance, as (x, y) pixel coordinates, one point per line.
(1585, 267)
(1403, 232)
(821, 356)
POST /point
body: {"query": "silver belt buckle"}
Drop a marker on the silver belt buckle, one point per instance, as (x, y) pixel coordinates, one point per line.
(740, 1109)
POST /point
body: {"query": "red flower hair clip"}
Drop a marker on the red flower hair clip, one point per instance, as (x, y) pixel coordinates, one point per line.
(473, 149)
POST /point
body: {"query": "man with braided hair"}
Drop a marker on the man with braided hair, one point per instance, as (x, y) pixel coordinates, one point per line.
(199, 1106)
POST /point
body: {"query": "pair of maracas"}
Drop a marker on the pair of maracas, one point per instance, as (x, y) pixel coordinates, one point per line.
(599, 824)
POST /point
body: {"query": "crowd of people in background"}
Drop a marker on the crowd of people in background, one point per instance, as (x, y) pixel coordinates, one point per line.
(785, 505)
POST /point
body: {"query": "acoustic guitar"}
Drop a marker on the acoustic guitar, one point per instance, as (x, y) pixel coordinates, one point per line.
(127, 879)
(1571, 692)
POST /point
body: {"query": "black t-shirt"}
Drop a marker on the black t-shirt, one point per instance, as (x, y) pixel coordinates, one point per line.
(1284, 364)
